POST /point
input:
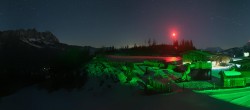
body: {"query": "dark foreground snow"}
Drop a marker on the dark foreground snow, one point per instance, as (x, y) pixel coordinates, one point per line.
(110, 96)
(115, 98)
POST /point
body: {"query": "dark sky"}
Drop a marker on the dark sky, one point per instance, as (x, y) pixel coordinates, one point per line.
(209, 23)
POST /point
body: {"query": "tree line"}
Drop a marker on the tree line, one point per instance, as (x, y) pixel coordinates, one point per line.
(151, 47)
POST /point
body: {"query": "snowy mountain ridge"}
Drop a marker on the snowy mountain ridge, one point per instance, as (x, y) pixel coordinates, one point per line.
(30, 37)
(237, 51)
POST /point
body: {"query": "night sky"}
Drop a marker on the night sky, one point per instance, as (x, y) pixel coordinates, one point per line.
(209, 23)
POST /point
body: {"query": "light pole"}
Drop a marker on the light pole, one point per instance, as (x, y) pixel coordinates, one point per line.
(174, 38)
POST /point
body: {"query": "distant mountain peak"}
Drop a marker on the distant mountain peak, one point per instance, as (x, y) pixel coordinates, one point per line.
(238, 51)
(248, 43)
(29, 36)
(214, 49)
(247, 46)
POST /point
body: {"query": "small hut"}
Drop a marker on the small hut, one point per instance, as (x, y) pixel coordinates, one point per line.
(201, 68)
(233, 79)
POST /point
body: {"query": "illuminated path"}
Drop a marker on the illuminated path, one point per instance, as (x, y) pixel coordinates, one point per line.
(239, 96)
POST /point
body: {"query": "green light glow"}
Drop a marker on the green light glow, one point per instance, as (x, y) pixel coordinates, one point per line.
(238, 96)
(134, 81)
(122, 78)
(131, 74)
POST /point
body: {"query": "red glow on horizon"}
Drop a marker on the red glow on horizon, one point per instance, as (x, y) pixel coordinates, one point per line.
(172, 59)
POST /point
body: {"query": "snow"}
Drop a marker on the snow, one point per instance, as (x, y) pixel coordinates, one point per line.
(34, 45)
(115, 98)
(232, 73)
(95, 97)
(31, 41)
(238, 96)
(217, 70)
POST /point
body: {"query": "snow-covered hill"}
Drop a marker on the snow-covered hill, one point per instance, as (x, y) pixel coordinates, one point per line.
(237, 51)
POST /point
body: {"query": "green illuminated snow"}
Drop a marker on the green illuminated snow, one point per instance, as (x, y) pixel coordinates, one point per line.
(239, 96)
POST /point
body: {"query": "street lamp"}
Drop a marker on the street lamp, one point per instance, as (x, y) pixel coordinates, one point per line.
(175, 42)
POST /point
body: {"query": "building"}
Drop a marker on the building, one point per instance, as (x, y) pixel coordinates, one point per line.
(246, 54)
(195, 55)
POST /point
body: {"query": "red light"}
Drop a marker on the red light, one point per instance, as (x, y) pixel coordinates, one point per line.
(174, 34)
(172, 59)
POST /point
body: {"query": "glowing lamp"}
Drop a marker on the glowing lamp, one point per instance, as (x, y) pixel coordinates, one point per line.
(174, 34)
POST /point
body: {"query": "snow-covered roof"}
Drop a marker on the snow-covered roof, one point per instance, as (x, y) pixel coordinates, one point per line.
(232, 73)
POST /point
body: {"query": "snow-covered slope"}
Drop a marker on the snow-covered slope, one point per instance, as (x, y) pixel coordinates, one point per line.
(214, 49)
